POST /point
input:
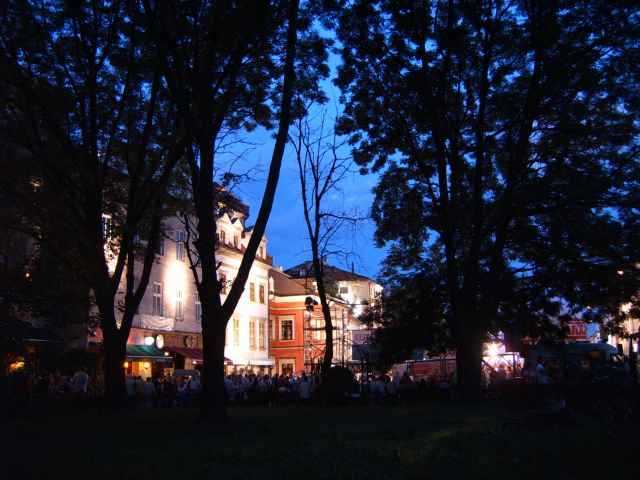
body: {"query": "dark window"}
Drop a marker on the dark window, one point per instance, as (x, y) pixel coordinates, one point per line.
(286, 329)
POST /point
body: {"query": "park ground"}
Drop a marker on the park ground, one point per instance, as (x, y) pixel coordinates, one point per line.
(431, 441)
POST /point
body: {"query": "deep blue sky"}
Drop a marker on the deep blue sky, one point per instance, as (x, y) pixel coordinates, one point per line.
(286, 230)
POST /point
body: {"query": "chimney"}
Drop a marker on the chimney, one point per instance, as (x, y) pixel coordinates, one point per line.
(353, 268)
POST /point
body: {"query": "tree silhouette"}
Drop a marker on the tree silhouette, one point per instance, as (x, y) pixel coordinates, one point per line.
(506, 136)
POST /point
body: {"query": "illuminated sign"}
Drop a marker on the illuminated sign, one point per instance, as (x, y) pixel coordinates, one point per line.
(577, 330)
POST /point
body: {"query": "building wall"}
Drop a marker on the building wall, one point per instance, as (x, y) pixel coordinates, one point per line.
(172, 277)
(310, 349)
(355, 292)
(287, 350)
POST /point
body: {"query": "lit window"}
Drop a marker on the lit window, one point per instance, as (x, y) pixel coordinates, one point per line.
(287, 367)
(107, 228)
(252, 334)
(157, 299)
(286, 329)
(261, 293)
(179, 315)
(252, 292)
(223, 237)
(222, 278)
(180, 247)
(236, 332)
(262, 341)
(317, 326)
(198, 307)
(272, 331)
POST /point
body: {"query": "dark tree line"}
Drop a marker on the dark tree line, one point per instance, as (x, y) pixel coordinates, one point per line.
(117, 103)
(506, 137)
(505, 134)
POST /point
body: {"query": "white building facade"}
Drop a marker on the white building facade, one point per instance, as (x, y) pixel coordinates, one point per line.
(167, 330)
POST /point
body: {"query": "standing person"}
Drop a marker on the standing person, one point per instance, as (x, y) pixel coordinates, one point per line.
(149, 392)
(80, 385)
(194, 390)
(541, 372)
(304, 390)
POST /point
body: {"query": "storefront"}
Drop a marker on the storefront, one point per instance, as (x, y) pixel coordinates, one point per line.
(147, 361)
(185, 358)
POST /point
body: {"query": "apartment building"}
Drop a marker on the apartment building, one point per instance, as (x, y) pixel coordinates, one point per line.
(167, 330)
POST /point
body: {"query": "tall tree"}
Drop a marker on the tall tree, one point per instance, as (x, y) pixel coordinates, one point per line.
(231, 66)
(86, 88)
(321, 168)
(506, 136)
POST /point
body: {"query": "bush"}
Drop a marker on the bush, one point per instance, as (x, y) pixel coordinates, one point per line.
(337, 386)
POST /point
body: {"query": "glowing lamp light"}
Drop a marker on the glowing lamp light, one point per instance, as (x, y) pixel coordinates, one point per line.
(620, 272)
(15, 366)
(125, 364)
(493, 349)
(146, 365)
(148, 341)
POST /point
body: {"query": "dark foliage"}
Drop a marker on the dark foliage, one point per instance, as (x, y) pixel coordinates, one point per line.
(506, 137)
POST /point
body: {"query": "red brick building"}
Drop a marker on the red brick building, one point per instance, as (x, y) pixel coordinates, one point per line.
(297, 337)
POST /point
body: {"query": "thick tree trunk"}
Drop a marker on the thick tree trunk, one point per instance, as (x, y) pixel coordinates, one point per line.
(115, 350)
(212, 406)
(469, 363)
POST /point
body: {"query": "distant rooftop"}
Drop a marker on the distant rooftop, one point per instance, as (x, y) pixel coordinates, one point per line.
(335, 274)
(284, 285)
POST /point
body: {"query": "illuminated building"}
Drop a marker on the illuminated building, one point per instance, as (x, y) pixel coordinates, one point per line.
(168, 318)
(296, 324)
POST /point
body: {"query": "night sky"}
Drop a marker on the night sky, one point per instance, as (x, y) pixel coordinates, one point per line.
(286, 230)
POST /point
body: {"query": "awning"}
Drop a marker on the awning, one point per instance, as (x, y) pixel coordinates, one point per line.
(192, 353)
(146, 351)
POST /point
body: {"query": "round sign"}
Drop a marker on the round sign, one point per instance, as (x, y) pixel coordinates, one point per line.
(159, 341)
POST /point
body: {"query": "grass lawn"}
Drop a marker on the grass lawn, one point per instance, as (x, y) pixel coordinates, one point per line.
(430, 441)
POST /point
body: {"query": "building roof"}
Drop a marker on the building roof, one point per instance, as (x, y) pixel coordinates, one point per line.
(284, 285)
(305, 270)
(230, 200)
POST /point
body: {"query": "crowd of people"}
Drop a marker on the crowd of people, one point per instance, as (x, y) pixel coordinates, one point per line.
(183, 391)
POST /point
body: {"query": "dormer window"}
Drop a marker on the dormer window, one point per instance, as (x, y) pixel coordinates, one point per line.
(223, 237)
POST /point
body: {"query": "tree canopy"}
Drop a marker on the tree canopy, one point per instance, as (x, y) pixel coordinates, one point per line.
(506, 137)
